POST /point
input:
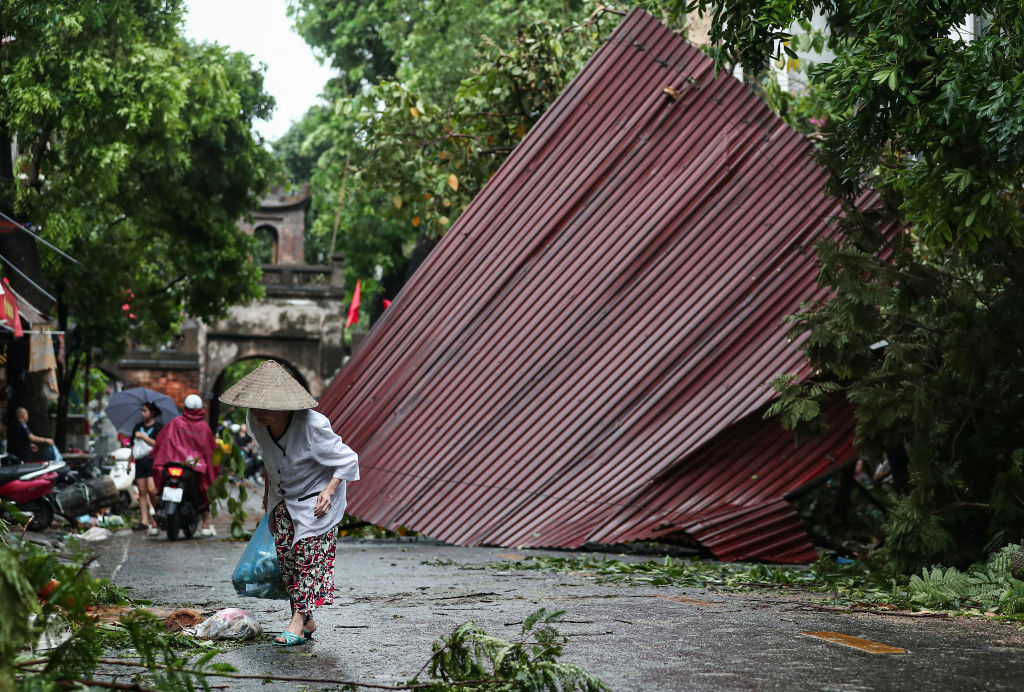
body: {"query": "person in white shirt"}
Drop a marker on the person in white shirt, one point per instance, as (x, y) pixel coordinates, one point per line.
(306, 467)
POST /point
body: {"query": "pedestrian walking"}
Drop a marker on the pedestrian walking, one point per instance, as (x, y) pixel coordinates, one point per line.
(143, 439)
(306, 466)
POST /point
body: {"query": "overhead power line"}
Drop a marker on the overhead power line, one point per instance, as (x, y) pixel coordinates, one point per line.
(25, 276)
(41, 240)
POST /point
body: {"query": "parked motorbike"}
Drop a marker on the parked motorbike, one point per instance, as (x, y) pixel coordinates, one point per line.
(30, 486)
(81, 488)
(121, 469)
(180, 503)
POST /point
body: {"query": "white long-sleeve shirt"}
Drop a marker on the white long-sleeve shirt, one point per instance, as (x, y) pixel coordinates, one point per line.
(300, 464)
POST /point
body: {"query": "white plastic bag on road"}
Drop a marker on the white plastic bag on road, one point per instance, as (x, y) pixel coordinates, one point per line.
(96, 533)
(230, 623)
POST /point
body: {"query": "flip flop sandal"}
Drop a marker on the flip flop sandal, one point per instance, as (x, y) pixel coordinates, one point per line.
(289, 639)
(308, 635)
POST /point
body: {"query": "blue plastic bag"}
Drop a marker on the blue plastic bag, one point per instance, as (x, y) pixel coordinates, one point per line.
(258, 573)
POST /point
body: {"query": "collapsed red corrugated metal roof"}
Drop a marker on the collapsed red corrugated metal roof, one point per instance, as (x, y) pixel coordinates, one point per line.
(582, 358)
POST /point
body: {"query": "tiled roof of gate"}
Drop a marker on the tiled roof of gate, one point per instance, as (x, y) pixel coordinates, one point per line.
(582, 358)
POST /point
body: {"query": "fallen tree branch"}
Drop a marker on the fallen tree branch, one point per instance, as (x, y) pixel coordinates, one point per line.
(76, 683)
(295, 678)
(875, 611)
(872, 611)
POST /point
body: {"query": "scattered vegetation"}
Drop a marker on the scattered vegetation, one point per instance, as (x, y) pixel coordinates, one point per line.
(53, 638)
(50, 637)
(472, 657)
(985, 587)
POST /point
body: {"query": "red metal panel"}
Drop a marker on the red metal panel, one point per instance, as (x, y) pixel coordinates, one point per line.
(582, 357)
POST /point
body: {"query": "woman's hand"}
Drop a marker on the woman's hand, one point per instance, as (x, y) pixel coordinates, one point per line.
(323, 502)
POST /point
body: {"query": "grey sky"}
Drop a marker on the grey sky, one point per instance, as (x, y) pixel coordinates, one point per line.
(262, 29)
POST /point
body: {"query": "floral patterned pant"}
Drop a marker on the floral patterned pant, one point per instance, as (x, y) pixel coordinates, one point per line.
(308, 567)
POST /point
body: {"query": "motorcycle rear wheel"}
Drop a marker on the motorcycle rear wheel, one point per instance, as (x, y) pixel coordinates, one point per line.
(172, 526)
(190, 521)
(42, 515)
(184, 518)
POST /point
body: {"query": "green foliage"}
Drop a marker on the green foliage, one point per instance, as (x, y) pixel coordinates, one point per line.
(471, 655)
(429, 45)
(799, 403)
(295, 149)
(988, 586)
(427, 160)
(92, 380)
(236, 371)
(669, 571)
(136, 155)
(230, 486)
(433, 99)
(15, 587)
(919, 127)
(78, 640)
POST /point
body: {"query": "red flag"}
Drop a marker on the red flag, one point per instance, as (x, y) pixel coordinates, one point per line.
(353, 309)
(9, 309)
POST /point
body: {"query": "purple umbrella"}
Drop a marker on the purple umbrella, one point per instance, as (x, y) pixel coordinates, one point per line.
(125, 407)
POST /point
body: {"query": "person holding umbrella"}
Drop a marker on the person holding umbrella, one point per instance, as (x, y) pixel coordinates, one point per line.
(306, 466)
(143, 439)
(134, 411)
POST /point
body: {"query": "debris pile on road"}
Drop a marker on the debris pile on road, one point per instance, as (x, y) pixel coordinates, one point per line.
(182, 618)
(230, 623)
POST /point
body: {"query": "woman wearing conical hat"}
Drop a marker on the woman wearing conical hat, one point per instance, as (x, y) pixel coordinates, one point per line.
(306, 468)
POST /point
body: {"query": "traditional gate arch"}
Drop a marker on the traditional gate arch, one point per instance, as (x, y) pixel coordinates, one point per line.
(299, 321)
(304, 333)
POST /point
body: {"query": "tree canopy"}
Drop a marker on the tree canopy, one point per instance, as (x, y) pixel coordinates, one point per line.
(433, 97)
(921, 128)
(134, 152)
(429, 46)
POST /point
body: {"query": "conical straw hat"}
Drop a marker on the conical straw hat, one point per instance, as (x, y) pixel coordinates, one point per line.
(269, 387)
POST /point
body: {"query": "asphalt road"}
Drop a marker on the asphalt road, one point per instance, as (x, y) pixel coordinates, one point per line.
(394, 598)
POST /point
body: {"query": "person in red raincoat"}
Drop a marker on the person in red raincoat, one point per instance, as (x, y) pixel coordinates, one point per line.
(188, 437)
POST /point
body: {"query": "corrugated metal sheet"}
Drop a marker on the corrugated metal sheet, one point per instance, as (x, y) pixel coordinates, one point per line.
(582, 358)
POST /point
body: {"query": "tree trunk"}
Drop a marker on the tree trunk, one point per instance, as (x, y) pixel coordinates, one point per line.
(6, 174)
(65, 379)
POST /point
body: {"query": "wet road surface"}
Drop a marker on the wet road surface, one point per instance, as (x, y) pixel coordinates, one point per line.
(394, 598)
